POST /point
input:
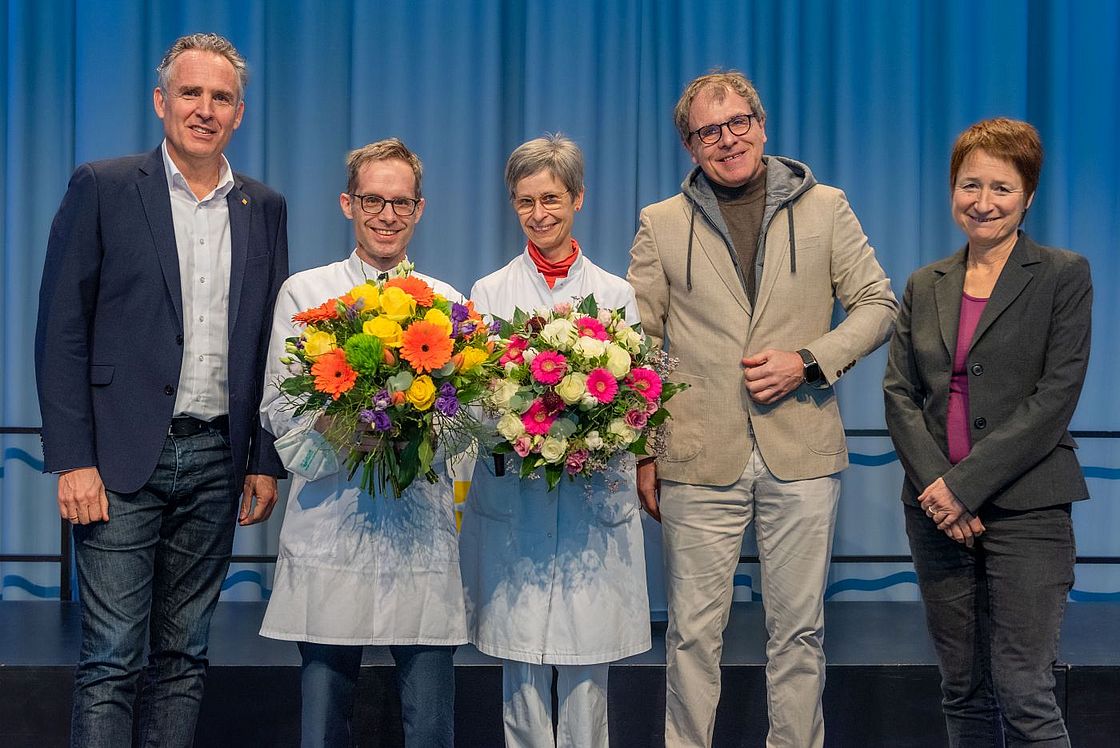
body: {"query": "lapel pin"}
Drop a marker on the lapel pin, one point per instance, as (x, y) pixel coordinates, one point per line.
(244, 201)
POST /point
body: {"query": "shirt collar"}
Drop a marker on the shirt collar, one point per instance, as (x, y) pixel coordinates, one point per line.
(359, 268)
(176, 180)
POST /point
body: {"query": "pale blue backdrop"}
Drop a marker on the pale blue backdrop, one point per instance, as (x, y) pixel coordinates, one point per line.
(870, 93)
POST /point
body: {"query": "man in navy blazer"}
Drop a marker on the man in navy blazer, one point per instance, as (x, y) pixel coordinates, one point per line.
(154, 315)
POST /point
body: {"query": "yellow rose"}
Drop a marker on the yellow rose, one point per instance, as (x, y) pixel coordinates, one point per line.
(317, 342)
(422, 393)
(472, 357)
(572, 387)
(436, 317)
(368, 294)
(386, 329)
(396, 304)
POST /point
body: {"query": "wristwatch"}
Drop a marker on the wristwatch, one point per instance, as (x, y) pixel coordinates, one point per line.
(812, 368)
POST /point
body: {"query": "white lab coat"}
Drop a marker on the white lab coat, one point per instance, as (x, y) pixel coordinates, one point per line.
(356, 569)
(554, 577)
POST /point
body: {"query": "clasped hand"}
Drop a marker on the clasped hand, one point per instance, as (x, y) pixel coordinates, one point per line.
(949, 514)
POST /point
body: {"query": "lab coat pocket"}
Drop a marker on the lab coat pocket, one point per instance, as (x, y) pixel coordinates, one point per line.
(612, 494)
(492, 495)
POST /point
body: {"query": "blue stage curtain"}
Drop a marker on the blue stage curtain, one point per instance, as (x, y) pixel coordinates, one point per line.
(870, 93)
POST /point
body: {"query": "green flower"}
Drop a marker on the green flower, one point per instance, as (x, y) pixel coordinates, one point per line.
(364, 353)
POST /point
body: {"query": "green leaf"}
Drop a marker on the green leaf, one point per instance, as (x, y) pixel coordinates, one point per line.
(529, 464)
(426, 453)
(552, 474)
(588, 306)
(639, 445)
(297, 385)
(658, 417)
(502, 448)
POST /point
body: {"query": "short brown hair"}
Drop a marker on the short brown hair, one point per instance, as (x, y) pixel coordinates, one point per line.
(212, 43)
(1011, 140)
(720, 82)
(383, 150)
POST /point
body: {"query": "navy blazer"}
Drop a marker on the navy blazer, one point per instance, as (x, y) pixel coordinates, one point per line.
(109, 340)
(1026, 365)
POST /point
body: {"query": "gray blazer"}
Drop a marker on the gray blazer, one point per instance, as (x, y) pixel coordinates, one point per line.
(1026, 366)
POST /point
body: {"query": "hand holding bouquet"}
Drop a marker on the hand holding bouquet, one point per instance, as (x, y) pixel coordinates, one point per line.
(574, 387)
(391, 365)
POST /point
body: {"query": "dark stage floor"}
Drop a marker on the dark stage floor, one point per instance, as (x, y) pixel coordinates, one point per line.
(882, 682)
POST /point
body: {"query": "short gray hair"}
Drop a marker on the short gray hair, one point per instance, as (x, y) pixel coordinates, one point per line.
(214, 43)
(555, 153)
(719, 82)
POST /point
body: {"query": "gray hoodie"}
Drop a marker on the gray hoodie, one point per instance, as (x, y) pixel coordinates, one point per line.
(786, 181)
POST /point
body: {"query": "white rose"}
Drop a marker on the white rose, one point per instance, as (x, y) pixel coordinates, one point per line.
(594, 441)
(529, 355)
(628, 338)
(502, 394)
(510, 427)
(618, 360)
(552, 450)
(589, 348)
(572, 388)
(559, 333)
(605, 316)
(625, 434)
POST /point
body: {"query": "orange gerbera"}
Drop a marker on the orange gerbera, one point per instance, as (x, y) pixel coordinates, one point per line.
(414, 287)
(426, 345)
(327, 310)
(333, 376)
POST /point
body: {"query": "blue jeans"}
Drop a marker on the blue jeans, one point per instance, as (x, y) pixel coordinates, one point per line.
(152, 575)
(425, 679)
(994, 613)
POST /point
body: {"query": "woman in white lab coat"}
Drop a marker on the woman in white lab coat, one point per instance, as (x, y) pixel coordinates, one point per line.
(553, 579)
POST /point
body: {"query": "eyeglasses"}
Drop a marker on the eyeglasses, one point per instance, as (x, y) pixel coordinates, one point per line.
(374, 204)
(549, 201)
(740, 124)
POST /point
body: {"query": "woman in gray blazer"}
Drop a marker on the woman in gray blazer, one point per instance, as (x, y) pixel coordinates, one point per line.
(985, 368)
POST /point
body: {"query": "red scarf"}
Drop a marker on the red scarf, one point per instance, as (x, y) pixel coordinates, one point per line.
(553, 271)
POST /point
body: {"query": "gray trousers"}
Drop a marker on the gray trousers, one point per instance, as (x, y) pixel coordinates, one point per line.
(994, 613)
(703, 530)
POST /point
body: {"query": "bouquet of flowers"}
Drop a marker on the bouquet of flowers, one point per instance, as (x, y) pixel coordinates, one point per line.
(574, 387)
(392, 364)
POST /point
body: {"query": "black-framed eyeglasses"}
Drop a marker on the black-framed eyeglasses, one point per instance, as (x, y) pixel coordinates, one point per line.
(740, 124)
(374, 204)
(549, 201)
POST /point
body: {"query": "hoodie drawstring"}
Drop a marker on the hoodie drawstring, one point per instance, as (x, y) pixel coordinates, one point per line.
(792, 241)
(688, 267)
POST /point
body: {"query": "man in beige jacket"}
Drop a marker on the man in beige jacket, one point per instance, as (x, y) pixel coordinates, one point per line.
(737, 277)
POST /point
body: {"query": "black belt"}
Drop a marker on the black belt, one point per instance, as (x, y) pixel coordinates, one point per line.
(191, 426)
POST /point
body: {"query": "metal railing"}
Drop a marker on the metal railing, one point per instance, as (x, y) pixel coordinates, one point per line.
(64, 556)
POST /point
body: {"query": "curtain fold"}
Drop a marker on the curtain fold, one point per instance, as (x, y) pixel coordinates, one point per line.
(869, 93)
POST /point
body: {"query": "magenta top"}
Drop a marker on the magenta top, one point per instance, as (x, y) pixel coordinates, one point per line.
(956, 424)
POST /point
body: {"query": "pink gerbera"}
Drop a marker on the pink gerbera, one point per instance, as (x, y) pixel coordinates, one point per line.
(645, 382)
(602, 385)
(537, 419)
(589, 327)
(549, 367)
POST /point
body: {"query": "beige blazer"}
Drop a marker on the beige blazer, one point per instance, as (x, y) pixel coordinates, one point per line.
(712, 327)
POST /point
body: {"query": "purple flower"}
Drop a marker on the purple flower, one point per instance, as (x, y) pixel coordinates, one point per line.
(495, 327)
(448, 405)
(381, 421)
(367, 415)
(447, 390)
(576, 460)
(382, 400)
(468, 327)
(459, 312)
